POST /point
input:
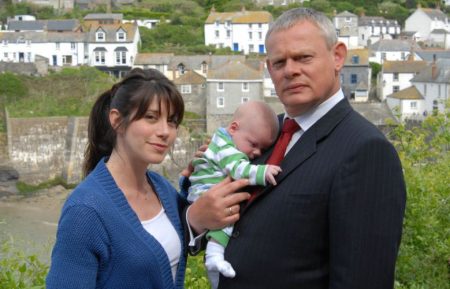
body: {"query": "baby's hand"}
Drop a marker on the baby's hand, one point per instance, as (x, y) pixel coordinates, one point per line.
(271, 172)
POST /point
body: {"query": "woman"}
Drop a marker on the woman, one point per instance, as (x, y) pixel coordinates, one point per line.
(121, 227)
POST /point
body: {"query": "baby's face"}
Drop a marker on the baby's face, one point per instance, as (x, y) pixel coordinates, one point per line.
(252, 140)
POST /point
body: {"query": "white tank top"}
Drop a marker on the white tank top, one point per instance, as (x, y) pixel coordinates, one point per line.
(163, 231)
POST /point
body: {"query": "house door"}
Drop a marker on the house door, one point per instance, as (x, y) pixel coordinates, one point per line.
(54, 61)
(235, 46)
(261, 48)
(21, 57)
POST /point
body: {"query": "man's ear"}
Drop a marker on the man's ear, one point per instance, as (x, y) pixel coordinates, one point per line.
(340, 54)
(114, 118)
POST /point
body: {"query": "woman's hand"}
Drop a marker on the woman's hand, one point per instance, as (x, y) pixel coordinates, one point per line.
(219, 206)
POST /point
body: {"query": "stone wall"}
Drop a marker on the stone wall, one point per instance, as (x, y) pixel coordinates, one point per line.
(44, 148)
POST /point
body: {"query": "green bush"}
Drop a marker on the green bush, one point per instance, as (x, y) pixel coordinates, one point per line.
(425, 249)
(12, 88)
(19, 270)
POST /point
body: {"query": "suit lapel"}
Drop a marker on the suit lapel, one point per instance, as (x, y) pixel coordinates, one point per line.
(306, 146)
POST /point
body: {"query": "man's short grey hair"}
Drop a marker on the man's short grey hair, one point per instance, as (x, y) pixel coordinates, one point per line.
(293, 16)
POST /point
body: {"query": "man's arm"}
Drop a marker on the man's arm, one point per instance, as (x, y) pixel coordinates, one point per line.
(366, 212)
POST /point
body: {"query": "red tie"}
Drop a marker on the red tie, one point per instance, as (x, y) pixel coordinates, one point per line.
(290, 126)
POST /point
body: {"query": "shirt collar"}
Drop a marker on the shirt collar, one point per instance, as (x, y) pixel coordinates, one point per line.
(309, 118)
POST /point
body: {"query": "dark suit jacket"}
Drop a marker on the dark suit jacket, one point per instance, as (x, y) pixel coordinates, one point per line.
(335, 218)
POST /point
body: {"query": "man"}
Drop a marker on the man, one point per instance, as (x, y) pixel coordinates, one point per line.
(334, 220)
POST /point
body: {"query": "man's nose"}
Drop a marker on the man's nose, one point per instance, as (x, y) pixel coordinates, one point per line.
(291, 68)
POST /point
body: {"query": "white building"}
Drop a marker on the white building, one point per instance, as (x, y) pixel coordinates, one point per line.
(425, 20)
(392, 50)
(346, 24)
(407, 104)
(241, 31)
(109, 47)
(396, 75)
(372, 29)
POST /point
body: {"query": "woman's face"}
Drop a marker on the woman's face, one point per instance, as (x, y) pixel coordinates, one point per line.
(148, 140)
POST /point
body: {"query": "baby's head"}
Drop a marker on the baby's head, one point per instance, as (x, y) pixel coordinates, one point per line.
(254, 127)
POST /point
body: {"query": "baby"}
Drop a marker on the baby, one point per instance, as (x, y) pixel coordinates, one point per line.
(254, 127)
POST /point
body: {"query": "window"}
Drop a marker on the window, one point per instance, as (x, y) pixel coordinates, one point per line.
(273, 92)
(181, 69)
(186, 89)
(57, 45)
(244, 99)
(245, 86)
(28, 42)
(414, 105)
(217, 33)
(395, 76)
(259, 25)
(99, 57)
(67, 59)
(250, 26)
(383, 55)
(121, 57)
(100, 36)
(251, 48)
(250, 35)
(355, 59)
(28, 56)
(228, 23)
(5, 55)
(5, 42)
(121, 35)
(220, 86)
(220, 101)
(435, 106)
(72, 45)
(228, 33)
(353, 78)
(217, 22)
(348, 19)
(204, 67)
(395, 88)
(259, 35)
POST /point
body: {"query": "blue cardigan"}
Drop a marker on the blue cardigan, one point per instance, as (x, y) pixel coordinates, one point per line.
(101, 243)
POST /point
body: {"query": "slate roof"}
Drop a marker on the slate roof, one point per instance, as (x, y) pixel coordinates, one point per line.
(153, 58)
(434, 13)
(110, 30)
(377, 21)
(190, 77)
(241, 17)
(103, 16)
(408, 93)
(443, 72)
(194, 62)
(403, 66)
(427, 55)
(43, 37)
(394, 45)
(235, 70)
(376, 112)
(345, 14)
(49, 25)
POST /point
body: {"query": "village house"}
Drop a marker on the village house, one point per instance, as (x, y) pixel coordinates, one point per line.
(430, 25)
(346, 24)
(240, 31)
(355, 75)
(373, 28)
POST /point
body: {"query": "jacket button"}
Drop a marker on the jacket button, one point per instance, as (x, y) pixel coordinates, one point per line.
(235, 234)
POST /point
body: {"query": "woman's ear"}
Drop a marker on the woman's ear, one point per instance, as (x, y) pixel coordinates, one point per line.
(114, 118)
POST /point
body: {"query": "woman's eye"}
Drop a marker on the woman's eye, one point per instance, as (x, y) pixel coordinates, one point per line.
(151, 117)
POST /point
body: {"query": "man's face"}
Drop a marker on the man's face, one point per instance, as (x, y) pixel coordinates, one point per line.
(304, 70)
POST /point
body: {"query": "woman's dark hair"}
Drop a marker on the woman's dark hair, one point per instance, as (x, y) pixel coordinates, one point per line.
(131, 97)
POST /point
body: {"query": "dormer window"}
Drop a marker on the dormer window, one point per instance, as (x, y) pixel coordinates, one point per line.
(100, 35)
(181, 68)
(355, 59)
(204, 67)
(121, 35)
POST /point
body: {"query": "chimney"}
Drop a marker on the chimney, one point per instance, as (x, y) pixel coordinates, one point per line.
(434, 70)
(243, 8)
